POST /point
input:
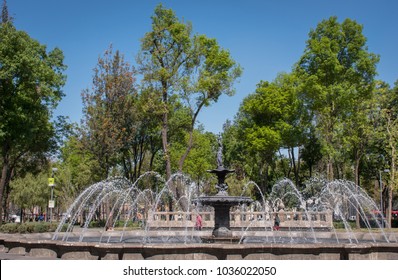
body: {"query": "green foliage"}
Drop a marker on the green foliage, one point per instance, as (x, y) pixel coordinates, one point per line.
(9, 228)
(110, 115)
(30, 88)
(181, 67)
(201, 157)
(129, 224)
(118, 224)
(97, 224)
(31, 227)
(28, 74)
(77, 170)
(268, 120)
(30, 191)
(340, 224)
(337, 74)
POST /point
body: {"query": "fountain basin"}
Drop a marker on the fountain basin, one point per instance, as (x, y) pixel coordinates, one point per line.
(40, 245)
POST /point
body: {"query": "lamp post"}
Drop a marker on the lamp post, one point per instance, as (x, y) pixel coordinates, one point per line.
(51, 184)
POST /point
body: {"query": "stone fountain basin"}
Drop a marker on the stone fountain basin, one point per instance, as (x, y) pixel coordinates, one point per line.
(250, 236)
(40, 245)
(224, 200)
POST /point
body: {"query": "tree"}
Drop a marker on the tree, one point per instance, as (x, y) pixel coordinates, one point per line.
(30, 191)
(30, 88)
(110, 115)
(181, 67)
(337, 73)
(294, 119)
(385, 117)
(269, 120)
(213, 75)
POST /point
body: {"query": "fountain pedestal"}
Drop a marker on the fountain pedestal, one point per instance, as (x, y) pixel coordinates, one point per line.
(222, 205)
(222, 221)
(222, 202)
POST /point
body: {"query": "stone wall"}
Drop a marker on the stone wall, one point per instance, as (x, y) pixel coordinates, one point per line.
(240, 219)
(94, 251)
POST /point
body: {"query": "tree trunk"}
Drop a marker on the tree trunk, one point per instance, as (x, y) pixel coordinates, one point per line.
(165, 145)
(298, 165)
(329, 169)
(185, 155)
(295, 169)
(142, 156)
(285, 170)
(126, 166)
(153, 154)
(3, 182)
(264, 178)
(190, 142)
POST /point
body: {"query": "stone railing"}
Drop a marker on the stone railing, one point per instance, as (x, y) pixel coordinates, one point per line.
(239, 218)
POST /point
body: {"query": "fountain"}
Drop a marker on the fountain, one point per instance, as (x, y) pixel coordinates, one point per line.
(222, 202)
(307, 222)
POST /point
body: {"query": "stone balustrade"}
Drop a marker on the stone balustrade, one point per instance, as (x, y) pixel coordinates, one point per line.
(239, 219)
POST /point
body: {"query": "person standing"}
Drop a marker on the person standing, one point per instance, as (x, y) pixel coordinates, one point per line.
(198, 224)
(277, 222)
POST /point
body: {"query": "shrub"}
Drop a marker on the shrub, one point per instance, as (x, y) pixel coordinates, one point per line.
(97, 224)
(40, 227)
(130, 224)
(22, 228)
(52, 227)
(9, 228)
(340, 224)
(29, 227)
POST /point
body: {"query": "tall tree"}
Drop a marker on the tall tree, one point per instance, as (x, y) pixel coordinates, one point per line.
(385, 117)
(192, 68)
(110, 120)
(337, 72)
(30, 88)
(269, 120)
(182, 68)
(294, 118)
(213, 75)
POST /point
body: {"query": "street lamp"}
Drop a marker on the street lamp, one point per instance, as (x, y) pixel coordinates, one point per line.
(51, 183)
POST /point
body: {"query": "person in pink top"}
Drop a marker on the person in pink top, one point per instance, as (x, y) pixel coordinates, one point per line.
(198, 224)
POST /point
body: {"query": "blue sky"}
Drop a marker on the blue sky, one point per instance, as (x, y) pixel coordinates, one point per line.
(264, 36)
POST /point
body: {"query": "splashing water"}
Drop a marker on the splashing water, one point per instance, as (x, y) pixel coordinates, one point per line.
(119, 204)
